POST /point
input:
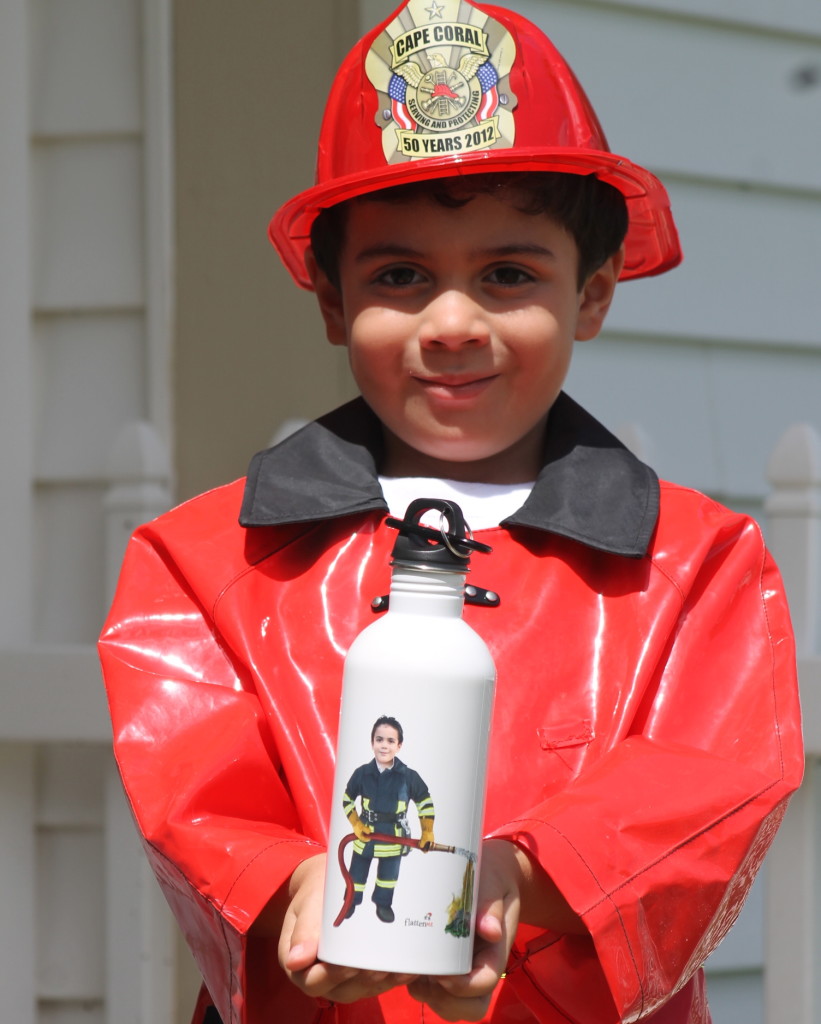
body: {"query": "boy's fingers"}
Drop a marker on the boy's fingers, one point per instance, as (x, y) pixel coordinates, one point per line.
(490, 923)
(467, 997)
(348, 984)
(323, 980)
(299, 958)
(447, 1006)
(298, 945)
(304, 930)
(480, 982)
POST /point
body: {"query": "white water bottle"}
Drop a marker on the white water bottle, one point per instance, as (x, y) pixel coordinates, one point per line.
(409, 789)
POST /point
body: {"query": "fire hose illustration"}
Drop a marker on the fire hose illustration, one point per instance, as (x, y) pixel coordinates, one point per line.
(459, 909)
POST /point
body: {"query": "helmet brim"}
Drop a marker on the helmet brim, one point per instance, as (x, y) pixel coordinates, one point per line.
(651, 244)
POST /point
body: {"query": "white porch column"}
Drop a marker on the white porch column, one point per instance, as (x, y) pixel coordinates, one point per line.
(17, 852)
(793, 510)
(18, 861)
(140, 958)
(15, 331)
(793, 934)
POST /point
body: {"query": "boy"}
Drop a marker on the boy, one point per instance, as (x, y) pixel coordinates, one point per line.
(468, 225)
(385, 786)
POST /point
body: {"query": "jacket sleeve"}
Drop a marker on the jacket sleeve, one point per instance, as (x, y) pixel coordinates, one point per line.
(420, 794)
(199, 767)
(352, 792)
(656, 845)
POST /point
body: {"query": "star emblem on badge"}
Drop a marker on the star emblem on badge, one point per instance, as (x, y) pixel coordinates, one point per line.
(435, 10)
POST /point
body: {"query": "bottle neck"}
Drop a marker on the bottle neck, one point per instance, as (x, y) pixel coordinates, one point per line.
(423, 591)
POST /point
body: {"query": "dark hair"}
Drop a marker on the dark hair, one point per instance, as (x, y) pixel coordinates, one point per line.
(592, 211)
(387, 720)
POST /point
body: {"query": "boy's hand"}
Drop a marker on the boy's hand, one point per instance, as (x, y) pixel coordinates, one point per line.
(467, 996)
(511, 888)
(299, 943)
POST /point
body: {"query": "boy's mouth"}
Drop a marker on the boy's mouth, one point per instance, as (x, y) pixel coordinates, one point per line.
(455, 386)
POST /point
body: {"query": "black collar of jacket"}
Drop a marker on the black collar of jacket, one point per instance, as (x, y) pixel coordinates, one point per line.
(398, 766)
(590, 489)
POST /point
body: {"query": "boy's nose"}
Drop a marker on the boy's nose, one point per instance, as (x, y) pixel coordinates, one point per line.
(453, 319)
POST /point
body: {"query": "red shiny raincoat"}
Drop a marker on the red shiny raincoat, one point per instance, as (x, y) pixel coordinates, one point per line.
(645, 739)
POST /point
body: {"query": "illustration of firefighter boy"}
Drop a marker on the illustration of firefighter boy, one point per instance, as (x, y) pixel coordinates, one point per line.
(385, 786)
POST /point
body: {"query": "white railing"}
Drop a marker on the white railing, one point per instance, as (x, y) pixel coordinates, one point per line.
(52, 696)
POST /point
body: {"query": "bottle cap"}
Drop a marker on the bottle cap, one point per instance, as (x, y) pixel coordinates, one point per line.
(448, 547)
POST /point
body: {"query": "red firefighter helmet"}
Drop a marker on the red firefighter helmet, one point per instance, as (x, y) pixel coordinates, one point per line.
(449, 87)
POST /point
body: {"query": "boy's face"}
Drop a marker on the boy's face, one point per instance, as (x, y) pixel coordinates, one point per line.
(386, 744)
(459, 324)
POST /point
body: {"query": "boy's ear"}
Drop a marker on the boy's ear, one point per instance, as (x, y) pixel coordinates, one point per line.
(329, 298)
(596, 296)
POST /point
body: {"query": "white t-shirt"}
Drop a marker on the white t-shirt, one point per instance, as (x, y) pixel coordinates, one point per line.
(484, 505)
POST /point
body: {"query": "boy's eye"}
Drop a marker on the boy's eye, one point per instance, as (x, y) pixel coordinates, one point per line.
(509, 276)
(399, 277)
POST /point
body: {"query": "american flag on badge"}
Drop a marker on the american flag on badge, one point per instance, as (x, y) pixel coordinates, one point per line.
(489, 80)
(397, 92)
